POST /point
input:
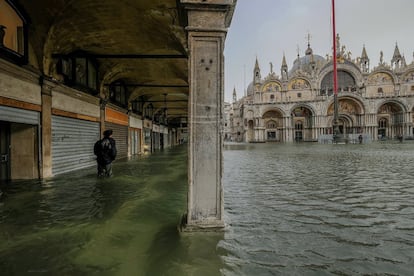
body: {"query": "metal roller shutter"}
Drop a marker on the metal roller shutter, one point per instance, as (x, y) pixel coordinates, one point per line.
(135, 146)
(16, 115)
(72, 144)
(120, 134)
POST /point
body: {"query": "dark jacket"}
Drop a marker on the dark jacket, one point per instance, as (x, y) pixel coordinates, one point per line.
(105, 150)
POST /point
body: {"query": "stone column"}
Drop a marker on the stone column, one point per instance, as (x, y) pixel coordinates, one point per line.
(46, 129)
(104, 98)
(286, 126)
(102, 116)
(207, 27)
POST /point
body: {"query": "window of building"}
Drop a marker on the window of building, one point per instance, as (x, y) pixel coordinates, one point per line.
(412, 87)
(382, 123)
(271, 124)
(272, 97)
(345, 80)
(138, 106)
(13, 33)
(299, 95)
(118, 94)
(298, 125)
(79, 72)
(380, 90)
(149, 111)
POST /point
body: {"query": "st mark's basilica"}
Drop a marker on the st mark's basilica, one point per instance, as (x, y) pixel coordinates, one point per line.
(298, 105)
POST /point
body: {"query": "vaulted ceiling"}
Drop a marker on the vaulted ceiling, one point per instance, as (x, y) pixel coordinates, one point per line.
(142, 43)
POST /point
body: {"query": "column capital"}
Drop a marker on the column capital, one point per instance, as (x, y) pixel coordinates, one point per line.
(208, 15)
(47, 85)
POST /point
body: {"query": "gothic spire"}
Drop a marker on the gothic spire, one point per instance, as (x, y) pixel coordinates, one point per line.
(364, 53)
(257, 76)
(309, 51)
(284, 64)
(396, 58)
(284, 68)
(403, 62)
(397, 54)
(364, 61)
(256, 66)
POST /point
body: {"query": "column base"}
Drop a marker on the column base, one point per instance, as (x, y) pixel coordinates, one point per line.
(208, 225)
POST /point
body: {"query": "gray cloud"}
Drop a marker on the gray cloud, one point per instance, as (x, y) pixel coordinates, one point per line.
(269, 28)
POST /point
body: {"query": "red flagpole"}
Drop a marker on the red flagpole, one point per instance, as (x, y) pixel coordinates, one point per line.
(336, 132)
(335, 73)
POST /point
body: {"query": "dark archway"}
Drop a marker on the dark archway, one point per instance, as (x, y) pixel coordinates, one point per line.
(390, 120)
(302, 120)
(273, 122)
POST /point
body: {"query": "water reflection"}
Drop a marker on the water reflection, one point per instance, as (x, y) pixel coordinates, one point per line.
(319, 209)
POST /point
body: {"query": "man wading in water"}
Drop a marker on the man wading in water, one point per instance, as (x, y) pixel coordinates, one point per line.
(105, 151)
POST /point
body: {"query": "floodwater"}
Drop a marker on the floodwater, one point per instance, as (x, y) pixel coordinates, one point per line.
(290, 209)
(312, 209)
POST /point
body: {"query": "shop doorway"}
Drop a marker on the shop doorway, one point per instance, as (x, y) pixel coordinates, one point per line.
(19, 151)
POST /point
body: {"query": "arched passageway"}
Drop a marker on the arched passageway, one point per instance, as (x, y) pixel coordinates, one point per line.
(350, 116)
(303, 123)
(144, 69)
(391, 120)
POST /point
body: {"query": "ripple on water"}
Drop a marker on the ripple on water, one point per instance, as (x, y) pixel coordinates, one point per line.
(303, 209)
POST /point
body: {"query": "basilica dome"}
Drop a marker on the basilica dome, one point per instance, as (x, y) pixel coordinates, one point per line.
(307, 62)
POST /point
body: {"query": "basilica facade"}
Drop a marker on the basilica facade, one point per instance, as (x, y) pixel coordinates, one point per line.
(298, 105)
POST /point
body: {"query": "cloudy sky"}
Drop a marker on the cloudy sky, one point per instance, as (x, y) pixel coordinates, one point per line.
(269, 28)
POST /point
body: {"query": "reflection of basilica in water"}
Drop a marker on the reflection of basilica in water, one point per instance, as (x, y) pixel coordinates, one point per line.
(298, 105)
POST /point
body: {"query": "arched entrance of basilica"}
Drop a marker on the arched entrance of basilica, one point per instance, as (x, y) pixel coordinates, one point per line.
(302, 120)
(350, 117)
(274, 128)
(346, 124)
(390, 118)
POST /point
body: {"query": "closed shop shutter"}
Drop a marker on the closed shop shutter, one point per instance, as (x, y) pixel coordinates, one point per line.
(135, 146)
(138, 141)
(155, 140)
(132, 142)
(17, 115)
(72, 144)
(120, 134)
